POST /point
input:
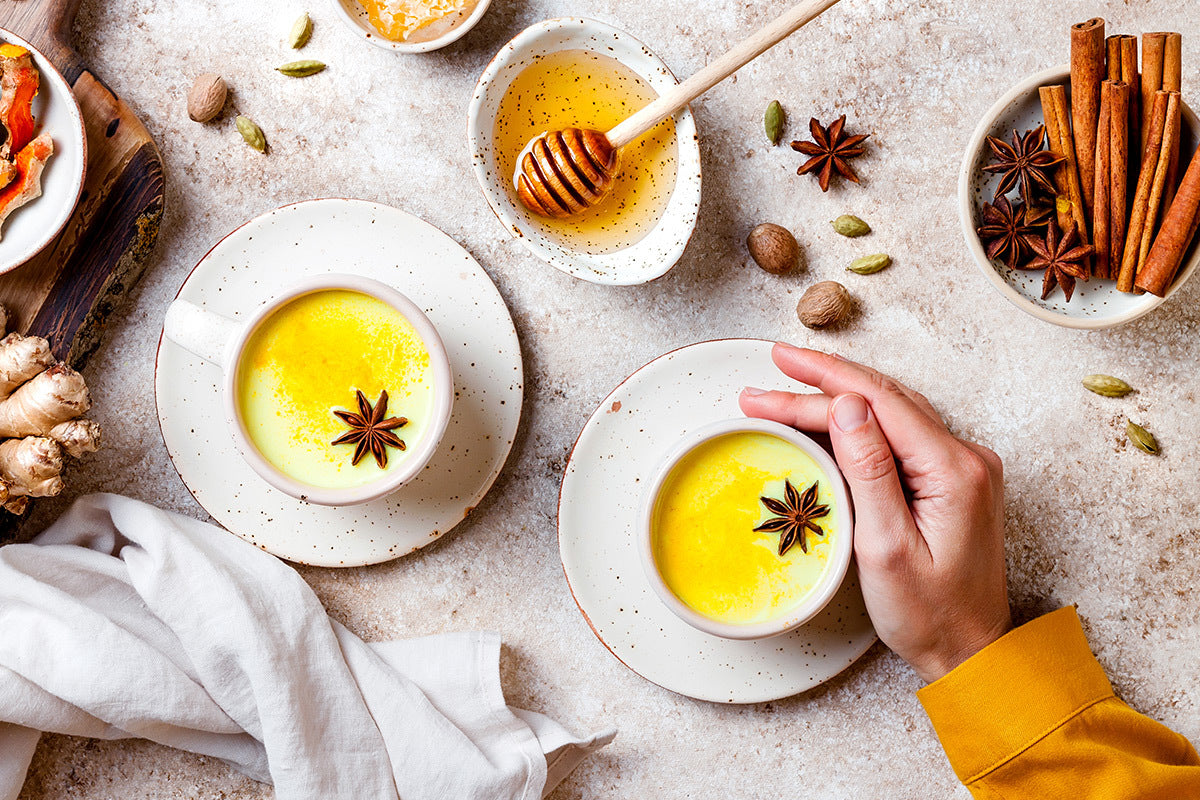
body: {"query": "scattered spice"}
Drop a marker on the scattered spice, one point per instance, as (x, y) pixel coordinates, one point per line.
(206, 98)
(869, 265)
(300, 33)
(774, 248)
(1106, 385)
(1024, 163)
(251, 133)
(825, 304)
(794, 516)
(301, 69)
(1063, 258)
(1004, 230)
(850, 226)
(1142, 439)
(830, 149)
(773, 121)
(370, 431)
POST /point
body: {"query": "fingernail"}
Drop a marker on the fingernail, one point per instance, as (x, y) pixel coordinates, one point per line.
(849, 412)
(786, 346)
(839, 356)
(753, 391)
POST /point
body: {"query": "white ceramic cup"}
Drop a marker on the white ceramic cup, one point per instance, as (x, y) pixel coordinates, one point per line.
(839, 559)
(220, 340)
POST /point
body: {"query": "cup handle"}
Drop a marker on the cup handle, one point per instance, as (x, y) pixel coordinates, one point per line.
(201, 332)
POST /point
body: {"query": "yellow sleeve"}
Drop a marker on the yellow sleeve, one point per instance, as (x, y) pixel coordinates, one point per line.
(1032, 715)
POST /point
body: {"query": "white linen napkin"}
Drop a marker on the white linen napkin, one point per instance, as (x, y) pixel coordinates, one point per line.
(122, 620)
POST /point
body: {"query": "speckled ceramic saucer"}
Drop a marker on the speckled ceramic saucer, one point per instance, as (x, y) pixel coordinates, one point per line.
(349, 236)
(616, 455)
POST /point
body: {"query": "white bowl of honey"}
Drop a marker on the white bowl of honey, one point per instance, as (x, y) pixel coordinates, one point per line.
(411, 26)
(582, 73)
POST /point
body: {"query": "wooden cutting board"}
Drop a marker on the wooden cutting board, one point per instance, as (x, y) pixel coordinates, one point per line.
(68, 291)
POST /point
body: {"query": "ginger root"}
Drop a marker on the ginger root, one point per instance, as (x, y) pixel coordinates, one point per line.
(41, 403)
(31, 466)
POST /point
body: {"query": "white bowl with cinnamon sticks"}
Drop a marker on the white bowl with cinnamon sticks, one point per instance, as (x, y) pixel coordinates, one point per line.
(1089, 222)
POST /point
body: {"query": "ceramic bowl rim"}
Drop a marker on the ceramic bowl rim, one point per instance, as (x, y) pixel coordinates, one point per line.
(64, 94)
(554, 254)
(1050, 75)
(449, 37)
(835, 571)
(439, 414)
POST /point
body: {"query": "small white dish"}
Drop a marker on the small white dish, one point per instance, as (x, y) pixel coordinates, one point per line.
(34, 225)
(663, 246)
(434, 36)
(221, 341)
(258, 260)
(839, 558)
(616, 456)
(1096, 304)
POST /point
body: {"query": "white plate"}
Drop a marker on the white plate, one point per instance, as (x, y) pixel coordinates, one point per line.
(34, 225)
(352, 236)
(614, 459)
(1096, 304)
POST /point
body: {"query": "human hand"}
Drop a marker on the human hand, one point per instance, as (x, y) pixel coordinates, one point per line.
(929, 508)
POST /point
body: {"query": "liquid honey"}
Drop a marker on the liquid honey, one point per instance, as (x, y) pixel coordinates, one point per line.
(582, 89)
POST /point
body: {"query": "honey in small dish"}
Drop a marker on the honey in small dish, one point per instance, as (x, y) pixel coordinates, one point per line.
(416, 20)
(702, 530)
(583, 89)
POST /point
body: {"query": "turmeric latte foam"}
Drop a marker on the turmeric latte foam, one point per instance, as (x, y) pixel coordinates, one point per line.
(307, 359)
(702, 529)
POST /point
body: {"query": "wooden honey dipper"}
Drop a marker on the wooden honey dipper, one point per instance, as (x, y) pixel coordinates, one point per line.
(561, 173)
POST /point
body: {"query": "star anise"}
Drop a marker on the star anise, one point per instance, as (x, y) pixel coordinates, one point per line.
(1004, 230)
(1023, 162)
(830, 149)
(794, 516)
(369, 431)
(1062, 256)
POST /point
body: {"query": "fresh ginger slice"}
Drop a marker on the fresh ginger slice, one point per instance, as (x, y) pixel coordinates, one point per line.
(19, 81)
(28, 184)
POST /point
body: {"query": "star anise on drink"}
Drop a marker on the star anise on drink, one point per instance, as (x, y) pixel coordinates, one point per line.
(794, 516)
(1023, 163)
(1004, 230)
(1062, 256)
(831, 150)
(370, 432)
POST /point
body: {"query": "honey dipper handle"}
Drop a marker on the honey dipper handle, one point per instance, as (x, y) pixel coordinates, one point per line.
(743, 53)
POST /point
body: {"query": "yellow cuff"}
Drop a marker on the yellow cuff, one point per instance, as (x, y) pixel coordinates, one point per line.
(1014, 692)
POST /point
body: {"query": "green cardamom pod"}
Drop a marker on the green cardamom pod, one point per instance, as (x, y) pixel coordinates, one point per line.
(300, 32)
(869, 265)
(251, 133)
(1142, 439)
(850, 225)
(1106, 385)
(773, 122)
(301, 69)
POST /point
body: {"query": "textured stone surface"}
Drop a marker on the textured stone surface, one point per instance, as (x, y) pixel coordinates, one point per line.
(1091, 520)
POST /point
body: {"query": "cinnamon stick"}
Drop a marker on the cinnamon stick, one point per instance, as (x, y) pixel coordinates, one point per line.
(1069, 204)
(1172, 82)
(1112, 48)
(1118, 96)
(1154, 47)
(1178, 229)
(1131, 76)
(1141, 197)
(1101, 211)
(1170, 142)
(1087, 72)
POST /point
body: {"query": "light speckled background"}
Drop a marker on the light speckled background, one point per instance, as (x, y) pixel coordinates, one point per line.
(1091, 520)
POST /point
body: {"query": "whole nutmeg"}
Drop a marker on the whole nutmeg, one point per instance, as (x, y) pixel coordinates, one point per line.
(207, 97)
(824, 304)
(773, 248)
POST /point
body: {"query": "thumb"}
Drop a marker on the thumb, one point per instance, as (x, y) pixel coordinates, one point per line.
(884, 522)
